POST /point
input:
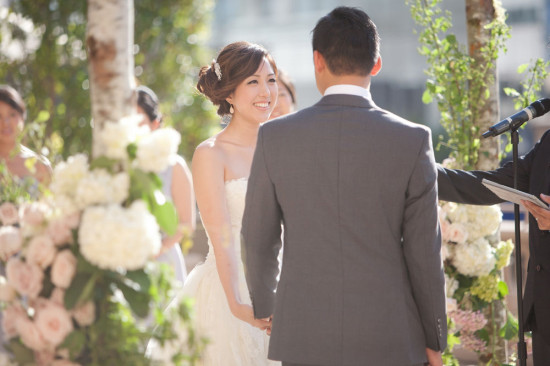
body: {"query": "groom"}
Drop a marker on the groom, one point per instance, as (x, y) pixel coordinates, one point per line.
(355, 188)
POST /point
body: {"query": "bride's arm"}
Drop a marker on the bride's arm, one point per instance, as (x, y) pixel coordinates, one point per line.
(208, 181)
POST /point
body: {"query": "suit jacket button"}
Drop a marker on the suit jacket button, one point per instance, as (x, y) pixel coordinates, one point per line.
(538, 268)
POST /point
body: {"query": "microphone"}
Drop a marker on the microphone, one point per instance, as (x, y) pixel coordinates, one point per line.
(534, 110)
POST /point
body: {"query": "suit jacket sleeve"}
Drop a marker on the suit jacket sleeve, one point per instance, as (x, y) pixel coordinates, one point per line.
(261, 234)
(466, 187)
(422, 247)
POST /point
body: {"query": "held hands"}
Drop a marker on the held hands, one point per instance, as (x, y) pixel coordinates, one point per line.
(245, 313)
(541, 215)
(434, 357)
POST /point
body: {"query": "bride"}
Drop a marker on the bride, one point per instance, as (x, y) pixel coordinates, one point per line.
(241, 82)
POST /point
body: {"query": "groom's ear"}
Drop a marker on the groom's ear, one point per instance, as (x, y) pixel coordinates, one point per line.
(319, 62)
(377, 66)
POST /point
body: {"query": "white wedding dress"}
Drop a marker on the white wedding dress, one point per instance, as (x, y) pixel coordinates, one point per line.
(232, 342)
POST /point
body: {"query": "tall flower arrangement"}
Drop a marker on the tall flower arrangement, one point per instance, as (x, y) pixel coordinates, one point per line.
(81, 286)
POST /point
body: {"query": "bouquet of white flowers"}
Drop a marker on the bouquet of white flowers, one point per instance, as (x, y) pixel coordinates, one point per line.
(79, 263)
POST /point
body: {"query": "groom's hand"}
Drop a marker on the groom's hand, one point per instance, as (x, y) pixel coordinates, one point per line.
(434, 357)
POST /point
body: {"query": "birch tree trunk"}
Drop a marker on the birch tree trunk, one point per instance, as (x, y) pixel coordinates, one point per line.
(480, 13)
(110, 40)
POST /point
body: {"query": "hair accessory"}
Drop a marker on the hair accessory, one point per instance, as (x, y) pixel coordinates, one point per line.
(217, 70)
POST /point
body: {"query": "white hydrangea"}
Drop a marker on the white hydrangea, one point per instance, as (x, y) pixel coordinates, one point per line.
(483, 220)
(474, 259)
(457, 213)
(101, 187)
(113, 237)
(451, 285)
(157, 150)
(67, 175)
(114, 137)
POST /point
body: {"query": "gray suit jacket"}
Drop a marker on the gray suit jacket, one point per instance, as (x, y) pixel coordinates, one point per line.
(362, 280)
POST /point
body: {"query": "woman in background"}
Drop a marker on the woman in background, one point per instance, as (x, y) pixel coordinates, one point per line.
(286, 100)
(177, 186)
(22, 163)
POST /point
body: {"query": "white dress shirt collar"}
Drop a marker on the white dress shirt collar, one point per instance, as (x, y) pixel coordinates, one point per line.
(348, 89)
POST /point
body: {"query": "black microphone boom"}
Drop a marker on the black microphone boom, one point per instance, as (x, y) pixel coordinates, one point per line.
(534, 110)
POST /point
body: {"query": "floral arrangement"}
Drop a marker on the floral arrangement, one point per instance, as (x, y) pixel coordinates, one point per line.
(473, 259)
(81, 286)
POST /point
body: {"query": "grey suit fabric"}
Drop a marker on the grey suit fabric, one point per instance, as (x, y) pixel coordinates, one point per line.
(362, 280)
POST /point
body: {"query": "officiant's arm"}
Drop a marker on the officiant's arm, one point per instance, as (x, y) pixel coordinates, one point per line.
(422, 247)
(209, 182)
(261, 234)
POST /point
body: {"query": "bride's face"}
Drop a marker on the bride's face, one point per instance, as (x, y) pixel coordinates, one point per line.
(255, 98)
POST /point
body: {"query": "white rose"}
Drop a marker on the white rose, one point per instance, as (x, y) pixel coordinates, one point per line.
(132, 235)
(157, 150)
(474, 259)
(10, 241)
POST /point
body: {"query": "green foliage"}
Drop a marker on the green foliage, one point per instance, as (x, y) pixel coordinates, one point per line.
(456, 81)
(52, 75)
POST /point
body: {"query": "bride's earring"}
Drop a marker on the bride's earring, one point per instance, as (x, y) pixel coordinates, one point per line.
(231, 110)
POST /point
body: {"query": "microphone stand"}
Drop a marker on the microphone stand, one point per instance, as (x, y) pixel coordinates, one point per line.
(522, 348)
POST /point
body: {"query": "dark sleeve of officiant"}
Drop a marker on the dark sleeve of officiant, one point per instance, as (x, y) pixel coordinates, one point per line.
(465, 186)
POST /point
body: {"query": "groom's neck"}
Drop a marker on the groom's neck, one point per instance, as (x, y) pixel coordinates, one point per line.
(330, 80)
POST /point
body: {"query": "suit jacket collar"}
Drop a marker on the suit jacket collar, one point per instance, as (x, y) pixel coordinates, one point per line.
(347, 100)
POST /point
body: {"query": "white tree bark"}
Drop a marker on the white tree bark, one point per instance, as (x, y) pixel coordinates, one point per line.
(110, 40)
(480, 13)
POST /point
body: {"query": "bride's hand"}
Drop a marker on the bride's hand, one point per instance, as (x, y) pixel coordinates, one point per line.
(245, 313)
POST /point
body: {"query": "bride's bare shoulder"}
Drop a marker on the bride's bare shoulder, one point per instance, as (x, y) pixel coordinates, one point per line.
(210, 150)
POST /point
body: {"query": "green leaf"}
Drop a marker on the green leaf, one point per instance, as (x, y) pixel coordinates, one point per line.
(103, 162)
(43, 116)
(510, 329)
(427, 97)
(132, 150)
(483, 334)
(166, 215)
(75, 343)
(138, 301)
(511, 92)
(502, 289)
(522, 68)
(22, 354)
(141, 278)
(80, 290)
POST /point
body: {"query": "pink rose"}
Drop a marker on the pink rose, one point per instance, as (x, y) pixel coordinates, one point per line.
(60, 231)
(33, 213)
(30, 335)
(58, 296)
(54, 323)
(10, 242)
(9, 318)
(445, 227)
(73, 220)
(41, 251)
(26, 278)
(85, 314)
(63, 269)
(9, 214)
(7, 292)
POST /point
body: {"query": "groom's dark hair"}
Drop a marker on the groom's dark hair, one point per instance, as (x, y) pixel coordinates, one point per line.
(348, 40)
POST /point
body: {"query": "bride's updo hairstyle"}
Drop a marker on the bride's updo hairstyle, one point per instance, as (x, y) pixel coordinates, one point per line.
(236, 61)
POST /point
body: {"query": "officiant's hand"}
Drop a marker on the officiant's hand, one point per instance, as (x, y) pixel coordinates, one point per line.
(541, 215)
(245, 313)
(434, 357)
